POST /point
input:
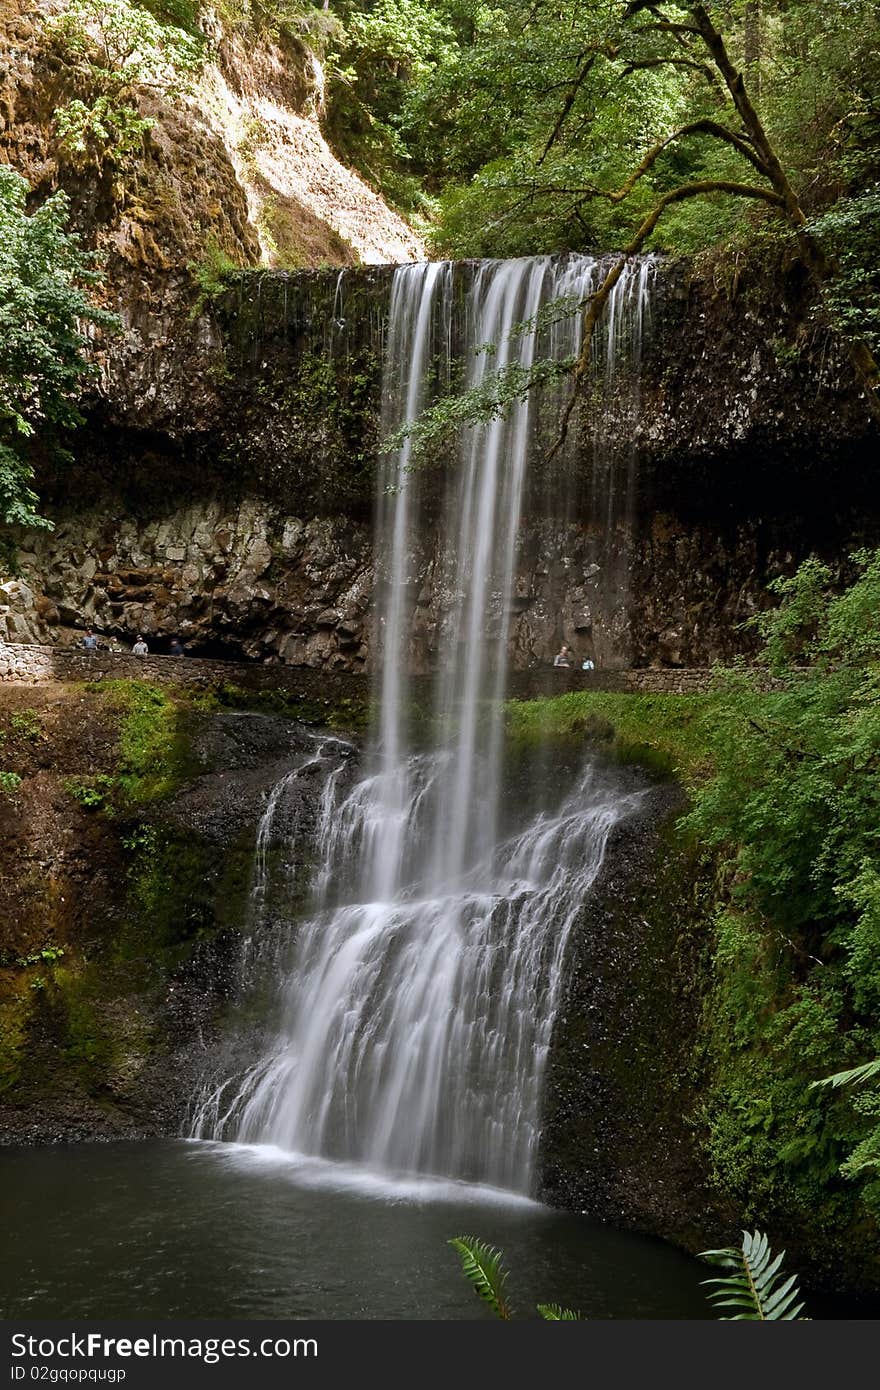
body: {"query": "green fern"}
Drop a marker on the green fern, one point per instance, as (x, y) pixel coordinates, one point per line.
(753, 1284)
(854, 1077)
(553, 1313)
(481, 1264)
(864, 1160)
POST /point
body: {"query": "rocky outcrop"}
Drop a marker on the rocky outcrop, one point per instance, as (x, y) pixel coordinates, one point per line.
(244, 582)
(234, 170)
(620, 1141)
(123, 919)
(251, 463)
(252, 581)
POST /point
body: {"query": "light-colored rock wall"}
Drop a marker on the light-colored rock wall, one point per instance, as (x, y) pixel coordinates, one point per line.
(252, 581)
(246, 580)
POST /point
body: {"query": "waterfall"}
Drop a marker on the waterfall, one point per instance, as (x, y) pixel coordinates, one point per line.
(415, 1013)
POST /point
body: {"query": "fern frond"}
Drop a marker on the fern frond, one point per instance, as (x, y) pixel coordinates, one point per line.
(854, 1077)
(481, 1264)
(553, 1313)
(754, 1283)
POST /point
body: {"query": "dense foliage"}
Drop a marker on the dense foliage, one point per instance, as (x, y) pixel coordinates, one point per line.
(794, 809)
(46, 287)
(780, 762)
(513, 115)
(120, 51)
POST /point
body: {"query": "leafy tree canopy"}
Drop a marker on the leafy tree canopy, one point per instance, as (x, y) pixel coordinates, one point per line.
(795, 804)
(513, 112)
(46, 286)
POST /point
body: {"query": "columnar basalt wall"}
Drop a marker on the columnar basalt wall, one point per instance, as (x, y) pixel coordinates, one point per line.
(226, 494)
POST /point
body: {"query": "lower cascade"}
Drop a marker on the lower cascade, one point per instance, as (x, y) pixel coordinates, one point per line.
(413, 999)
(414, 1030)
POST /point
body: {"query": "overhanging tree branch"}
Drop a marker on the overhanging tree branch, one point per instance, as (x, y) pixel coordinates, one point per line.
(812, 253)
(569, 102)
(703, 127)
(600, 298)
(751, 142)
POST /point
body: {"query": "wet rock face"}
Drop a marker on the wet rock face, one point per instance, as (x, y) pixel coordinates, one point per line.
(145, 909)
(248, 447)
(243, 582)
(251, 581)
(619, 1140)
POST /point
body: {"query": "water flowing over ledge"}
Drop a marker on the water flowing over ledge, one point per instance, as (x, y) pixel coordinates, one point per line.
(415, 1003)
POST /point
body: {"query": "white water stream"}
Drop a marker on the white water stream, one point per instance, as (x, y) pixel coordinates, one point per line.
(416, 1008)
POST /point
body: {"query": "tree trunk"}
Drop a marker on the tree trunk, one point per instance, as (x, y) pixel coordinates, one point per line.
(753, 46)
(811, 252)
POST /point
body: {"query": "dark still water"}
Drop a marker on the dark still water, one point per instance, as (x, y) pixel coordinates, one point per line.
(193, 1230)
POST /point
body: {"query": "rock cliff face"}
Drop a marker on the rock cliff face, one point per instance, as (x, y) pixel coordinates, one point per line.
(234, 171)
(245, 580)
(124, 910)
(223, 488)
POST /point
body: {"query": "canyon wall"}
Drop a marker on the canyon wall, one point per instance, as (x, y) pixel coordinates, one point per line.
(222, 489)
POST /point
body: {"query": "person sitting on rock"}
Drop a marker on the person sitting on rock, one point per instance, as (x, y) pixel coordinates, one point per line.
(140, 647)
(89, 641)
(562, 656)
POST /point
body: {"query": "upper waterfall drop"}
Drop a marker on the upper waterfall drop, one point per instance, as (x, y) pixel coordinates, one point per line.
(416, 1008)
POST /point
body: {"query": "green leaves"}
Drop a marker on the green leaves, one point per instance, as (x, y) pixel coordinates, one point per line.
(481, 1264)
(122, 50)
(18, 501)
(755, 1285)
(793, 809)
(864, 1160)
(552, 1312)
(46, 280)
(489, 400)
(104, 125)
(501, 122)
(850, 230)
(855, 1076)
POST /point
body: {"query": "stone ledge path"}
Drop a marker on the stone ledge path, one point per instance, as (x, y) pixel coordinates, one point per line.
(26, 663)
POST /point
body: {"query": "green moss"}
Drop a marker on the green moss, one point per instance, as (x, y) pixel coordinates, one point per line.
(350, 713)
(88, 1035)
(169, 877)
(154, 752)
(179, 892)
(16, 1002)
(668, 734)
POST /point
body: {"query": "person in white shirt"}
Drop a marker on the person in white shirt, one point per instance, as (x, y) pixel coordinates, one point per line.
(140, 647)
